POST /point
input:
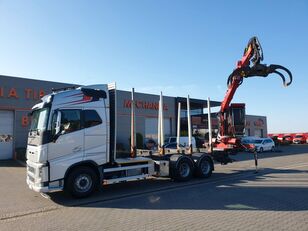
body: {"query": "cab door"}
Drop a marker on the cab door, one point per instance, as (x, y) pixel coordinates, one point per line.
(67, 146)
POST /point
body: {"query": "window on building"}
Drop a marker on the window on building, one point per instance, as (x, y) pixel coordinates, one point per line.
(91, 118)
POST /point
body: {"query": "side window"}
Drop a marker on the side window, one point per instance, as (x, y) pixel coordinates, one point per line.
(91, 118)
(70, 120)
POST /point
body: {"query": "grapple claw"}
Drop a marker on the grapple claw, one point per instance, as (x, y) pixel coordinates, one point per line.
(257, 55)
(273, 68)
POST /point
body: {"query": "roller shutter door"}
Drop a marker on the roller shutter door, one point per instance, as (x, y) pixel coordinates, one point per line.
(6, 134)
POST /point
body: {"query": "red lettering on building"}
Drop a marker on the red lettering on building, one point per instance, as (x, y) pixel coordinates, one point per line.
(144, 105)
(35, 95)
(28, 93)
(138, 104)
(259, 123)
(24, 121)
(13, 93)
(41, 93)
(156, 106)
(127, 103)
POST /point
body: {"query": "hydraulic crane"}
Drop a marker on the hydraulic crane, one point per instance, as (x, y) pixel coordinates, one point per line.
(232, 116)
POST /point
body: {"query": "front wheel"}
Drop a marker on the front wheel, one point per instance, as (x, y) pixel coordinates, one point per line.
(261, 150)
(81, 182)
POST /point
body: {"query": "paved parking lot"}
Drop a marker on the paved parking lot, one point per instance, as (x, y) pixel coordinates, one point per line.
(234, 198)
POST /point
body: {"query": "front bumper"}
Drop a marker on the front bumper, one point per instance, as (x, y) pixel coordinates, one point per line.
(37, 178)
(37, 187)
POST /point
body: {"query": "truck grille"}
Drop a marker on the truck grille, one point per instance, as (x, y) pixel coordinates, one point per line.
(31, 169)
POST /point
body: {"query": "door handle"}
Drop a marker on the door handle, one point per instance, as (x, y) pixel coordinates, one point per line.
(77, 149)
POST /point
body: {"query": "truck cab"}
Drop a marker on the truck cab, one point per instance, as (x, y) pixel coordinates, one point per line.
(68, 127)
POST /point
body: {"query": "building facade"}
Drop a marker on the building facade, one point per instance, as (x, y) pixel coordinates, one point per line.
(256, 126)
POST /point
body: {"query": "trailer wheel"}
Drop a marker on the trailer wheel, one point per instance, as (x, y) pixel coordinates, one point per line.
(204, 168)
(81, 182)
(182, 169)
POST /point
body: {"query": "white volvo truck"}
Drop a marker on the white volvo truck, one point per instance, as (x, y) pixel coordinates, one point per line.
(72, 146)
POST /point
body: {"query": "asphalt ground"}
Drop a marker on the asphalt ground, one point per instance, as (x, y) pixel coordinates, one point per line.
(234, 198)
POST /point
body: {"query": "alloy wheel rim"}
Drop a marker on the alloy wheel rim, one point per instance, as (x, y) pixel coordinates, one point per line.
(83, 183)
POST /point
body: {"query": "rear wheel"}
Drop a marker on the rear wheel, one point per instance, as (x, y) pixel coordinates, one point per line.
(204, 168)
(182, 169)
(273, 149)
(81, 182)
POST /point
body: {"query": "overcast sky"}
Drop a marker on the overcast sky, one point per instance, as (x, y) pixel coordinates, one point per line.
(178, 47)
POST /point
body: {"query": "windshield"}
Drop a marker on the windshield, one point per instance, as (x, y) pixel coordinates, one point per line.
(257, 142)
(298, 136)
(39, 119)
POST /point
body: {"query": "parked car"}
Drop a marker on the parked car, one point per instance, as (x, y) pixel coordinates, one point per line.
(249, 139)
(299, 139)
(285, 139)
(172, 145)
(264, 144)
(275, 139)
(150, 144)
(288, 139)
(183, 141)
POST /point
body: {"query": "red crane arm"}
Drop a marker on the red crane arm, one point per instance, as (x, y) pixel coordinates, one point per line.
(236, 79)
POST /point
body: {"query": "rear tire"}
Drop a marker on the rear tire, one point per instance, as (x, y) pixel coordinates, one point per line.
(81, 182)
(204, 168)
(182, 169)
(273, 149)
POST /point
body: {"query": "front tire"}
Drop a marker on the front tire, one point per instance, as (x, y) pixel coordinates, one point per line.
(261, 150)
(81, 182)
